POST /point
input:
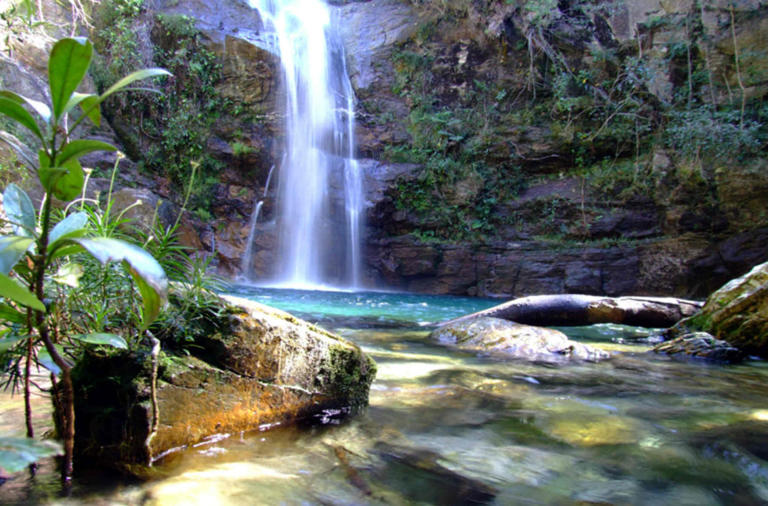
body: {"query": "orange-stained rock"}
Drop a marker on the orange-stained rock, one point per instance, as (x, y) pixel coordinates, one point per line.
(257, 367)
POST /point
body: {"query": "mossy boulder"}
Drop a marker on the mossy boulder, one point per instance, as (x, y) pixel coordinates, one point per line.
(261, 367)
(700, 345)
(736, 313)
(502, 338)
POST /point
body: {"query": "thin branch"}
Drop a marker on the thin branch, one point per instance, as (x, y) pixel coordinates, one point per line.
(738, 67)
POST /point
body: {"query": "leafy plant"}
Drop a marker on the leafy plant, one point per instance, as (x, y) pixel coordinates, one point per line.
(32, 255)
(17, 453)
(241, 149)
(718, 135)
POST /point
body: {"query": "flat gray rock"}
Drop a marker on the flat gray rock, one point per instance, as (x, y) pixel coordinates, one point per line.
(494, 336)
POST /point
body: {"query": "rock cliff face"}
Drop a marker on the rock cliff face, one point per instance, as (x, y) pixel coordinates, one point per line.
(569, 221)
(509, 148)
(669, 227)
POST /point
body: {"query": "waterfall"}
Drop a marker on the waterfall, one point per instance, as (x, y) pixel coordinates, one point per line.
(319, 237)
(245, 263)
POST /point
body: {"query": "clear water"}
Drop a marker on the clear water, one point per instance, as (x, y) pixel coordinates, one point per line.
(378, 309)
(446, 427)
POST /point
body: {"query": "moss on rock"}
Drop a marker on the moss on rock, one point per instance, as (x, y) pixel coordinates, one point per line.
(736, 313)
(261, 367)
(347, 374)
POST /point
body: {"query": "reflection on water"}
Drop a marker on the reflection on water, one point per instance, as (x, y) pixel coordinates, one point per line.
(446, 427)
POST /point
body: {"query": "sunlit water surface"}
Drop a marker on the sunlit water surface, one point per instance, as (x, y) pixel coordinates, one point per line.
(445, 427)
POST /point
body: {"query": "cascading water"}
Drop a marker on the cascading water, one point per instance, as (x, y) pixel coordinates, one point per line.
(319, 244)
(258, 203)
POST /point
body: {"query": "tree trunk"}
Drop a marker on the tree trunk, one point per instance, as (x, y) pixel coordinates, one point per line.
(575, 310)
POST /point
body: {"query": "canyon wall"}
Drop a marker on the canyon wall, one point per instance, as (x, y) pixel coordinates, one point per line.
(509, 147)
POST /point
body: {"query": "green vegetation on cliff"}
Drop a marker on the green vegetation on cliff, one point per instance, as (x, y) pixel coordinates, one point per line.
(556, 91)
(167, 132)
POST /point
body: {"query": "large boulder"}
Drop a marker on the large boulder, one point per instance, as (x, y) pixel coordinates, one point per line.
(494, 336)
(257, 367)
(736, 313)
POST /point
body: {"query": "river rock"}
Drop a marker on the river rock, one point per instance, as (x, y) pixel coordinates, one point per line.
(736, 313)
(494, 336)
(701, 345)
(256, 368)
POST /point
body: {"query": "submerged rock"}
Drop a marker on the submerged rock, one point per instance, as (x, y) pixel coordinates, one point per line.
(514, 340)
(448, 486)
(736, 313)
(701, 345)
(258, 367)
(595, 431)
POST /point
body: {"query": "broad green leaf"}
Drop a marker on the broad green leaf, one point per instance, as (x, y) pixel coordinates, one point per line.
(69, 184)
(19, 210)
(9, 343)
(12, 249)
(73, 225)
(67, 66)
(39, 107)
(90, 107)
(78, 148)
(48, 175)
(10, 314)
(132, 78)
(85, 100)
(12, 289)
(23, 270)
(104, 339)
(151, 298)
(16, 112)
(141, 88)
(17, 453)
(66, 250)
(106, 249)
(45, 359)
(69, 274)
(149, 275)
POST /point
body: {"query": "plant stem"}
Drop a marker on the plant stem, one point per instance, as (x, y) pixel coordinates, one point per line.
(153, 390)
(738, 67)
(66, 401)
(688, 43)
(27, 400)
(705, 49)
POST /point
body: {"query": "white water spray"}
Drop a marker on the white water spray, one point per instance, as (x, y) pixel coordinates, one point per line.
(319, 238)
(258, 202)
(245, 264)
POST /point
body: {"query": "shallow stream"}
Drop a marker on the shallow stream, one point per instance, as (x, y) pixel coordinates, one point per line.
(445, 427)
